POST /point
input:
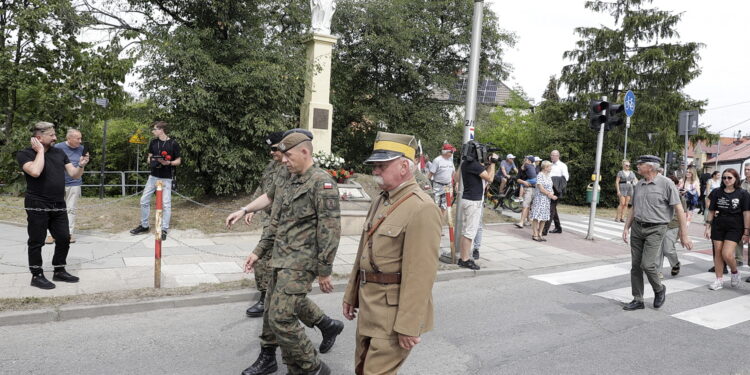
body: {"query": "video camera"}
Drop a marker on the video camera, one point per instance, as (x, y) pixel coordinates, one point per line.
(480, 152)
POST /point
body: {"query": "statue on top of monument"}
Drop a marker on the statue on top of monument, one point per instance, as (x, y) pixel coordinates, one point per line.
(322, 13)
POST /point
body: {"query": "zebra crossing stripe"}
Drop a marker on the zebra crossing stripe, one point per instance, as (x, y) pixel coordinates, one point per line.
(604, 223)
(719, 315)
(673, 286)
(591, 273)
(597, 230)
(700, 256)
(585, 231)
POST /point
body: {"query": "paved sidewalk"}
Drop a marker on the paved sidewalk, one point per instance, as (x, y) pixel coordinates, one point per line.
(111, 262)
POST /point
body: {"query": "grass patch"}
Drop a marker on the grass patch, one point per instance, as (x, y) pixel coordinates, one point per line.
(114, 215)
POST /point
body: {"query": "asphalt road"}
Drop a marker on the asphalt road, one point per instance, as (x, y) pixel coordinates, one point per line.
(503, 324)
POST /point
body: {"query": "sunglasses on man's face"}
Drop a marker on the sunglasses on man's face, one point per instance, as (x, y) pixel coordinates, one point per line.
(274, 148)
(727, 177)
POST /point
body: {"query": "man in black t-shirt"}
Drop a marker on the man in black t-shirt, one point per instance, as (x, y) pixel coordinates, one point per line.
(472, 174)
(44, 167)
(163, 157)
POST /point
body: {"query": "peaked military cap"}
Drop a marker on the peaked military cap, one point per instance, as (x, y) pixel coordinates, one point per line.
(274, 138)
(292, 139)
(649, 159)
(389, 146)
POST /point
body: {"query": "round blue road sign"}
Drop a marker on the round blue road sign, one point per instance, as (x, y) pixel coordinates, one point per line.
(629, 103)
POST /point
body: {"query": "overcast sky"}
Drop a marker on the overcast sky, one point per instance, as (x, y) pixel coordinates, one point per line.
(545, 30)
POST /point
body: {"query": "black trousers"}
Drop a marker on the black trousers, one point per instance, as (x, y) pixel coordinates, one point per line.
(38, 224)
(552, 217)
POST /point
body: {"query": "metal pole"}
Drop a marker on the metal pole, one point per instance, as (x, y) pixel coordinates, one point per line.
(137, 165)
(627, 126)
(595, 193)
(687, 130)
(104, 160)
(666, 166)
(471, 104)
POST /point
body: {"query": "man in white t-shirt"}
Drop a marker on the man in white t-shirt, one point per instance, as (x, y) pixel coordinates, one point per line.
(560, 178)
(441, 173)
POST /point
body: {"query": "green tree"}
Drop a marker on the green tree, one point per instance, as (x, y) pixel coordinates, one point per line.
(514, 127)
(47, 73)
(550, 93)
(229, 72)
(225, 73)
(391, 58)
(641, 53)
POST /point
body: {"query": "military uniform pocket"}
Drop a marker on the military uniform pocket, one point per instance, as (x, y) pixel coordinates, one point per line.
(391, 297)
(389, 241)
(297, 288)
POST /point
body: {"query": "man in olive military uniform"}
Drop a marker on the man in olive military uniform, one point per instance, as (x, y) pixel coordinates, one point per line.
(655, 202)
(306, 228)
(396, 264)
(262, 266)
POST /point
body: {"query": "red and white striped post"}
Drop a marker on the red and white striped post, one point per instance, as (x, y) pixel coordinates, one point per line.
(157, 242)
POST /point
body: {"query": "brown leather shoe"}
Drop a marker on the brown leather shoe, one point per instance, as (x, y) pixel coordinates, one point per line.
(49, 240)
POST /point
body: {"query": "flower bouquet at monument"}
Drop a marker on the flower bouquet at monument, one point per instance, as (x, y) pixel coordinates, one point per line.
(327, 161)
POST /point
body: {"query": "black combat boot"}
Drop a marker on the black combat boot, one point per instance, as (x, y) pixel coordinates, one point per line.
(330, 328)
(323, 369)
(265, 364)
(256, 310)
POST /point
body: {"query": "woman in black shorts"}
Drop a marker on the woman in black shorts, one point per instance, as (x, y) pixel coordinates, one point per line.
(728, 223)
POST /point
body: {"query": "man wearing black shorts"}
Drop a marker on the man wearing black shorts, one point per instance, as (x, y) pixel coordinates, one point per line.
(44, 167)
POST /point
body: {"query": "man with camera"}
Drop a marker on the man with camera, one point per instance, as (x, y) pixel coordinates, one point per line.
(163, 157)
(477, 165)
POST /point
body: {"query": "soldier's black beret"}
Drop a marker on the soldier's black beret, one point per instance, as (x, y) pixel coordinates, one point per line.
(274, 138)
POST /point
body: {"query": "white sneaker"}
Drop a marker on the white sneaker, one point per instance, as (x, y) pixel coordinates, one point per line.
(661, 275)
(717, 284)
(735, 280)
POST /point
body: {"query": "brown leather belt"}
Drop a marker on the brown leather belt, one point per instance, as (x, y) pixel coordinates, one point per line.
(379, 277)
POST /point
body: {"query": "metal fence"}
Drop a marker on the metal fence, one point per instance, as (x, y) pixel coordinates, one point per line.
(127, 179)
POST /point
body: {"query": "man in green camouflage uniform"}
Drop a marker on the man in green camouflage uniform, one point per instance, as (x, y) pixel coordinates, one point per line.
(267, 180)
(304, 237)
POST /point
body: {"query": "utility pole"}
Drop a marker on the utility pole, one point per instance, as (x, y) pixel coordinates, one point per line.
(471, 104)
(104, 103)
(595, 193)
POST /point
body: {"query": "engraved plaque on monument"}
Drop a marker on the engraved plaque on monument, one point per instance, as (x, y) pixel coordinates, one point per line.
(320, 118)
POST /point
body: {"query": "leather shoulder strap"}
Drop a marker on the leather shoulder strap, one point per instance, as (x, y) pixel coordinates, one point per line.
(377, 224)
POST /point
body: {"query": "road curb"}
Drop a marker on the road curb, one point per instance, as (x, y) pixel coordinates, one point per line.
(93, 311)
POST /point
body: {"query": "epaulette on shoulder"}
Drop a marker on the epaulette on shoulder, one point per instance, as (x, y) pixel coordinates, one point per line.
(423, 196)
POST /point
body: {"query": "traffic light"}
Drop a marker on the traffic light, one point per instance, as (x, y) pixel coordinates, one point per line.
(614, 116)
(596, 117)
(671, 156)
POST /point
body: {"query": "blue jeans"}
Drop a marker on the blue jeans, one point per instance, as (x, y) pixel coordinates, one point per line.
(148, 191)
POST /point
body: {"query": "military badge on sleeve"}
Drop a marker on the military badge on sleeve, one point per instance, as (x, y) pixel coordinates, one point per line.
(332, 203)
